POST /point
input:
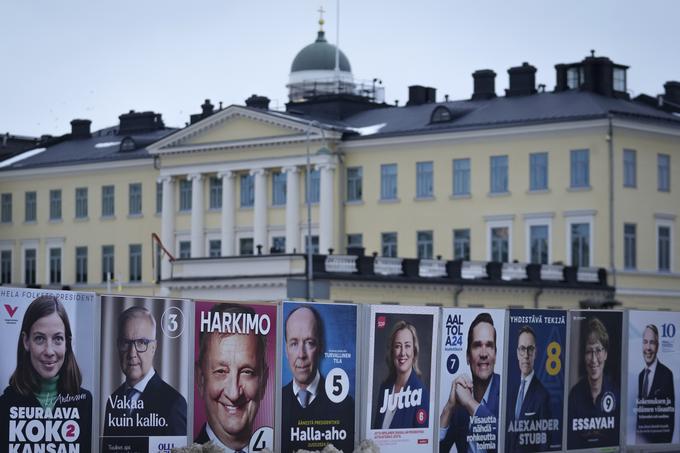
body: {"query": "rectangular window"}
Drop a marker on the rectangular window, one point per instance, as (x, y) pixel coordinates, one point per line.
(664, 248)
(499, 174)
(424, 180)
(135, 262)
(629, 246)
(6, 211)
(184, 249)
(315, 244)
(580, 168)
(424, 244)
(580, 244)
(81, 264)
(55, 266)
(664, 172)
(278, 188)
(500, 244)
(55, 204)
(619, 79)
(461, 177)
(31, 206)
(6, 267)
(355, 240)
(314, 186)
(247, 191)
(108, 201)
(184, 195)
(461, 244)
(30, 256)
(215, 193)
(389, 245)
(215, 248)
(538, 238)
(388, 182)
(159, 197)
(538, 171)
(107, 263)
(629, 168)
(135, 198)
(278, 244)
(245, 246)
(81, 203)
(354, 183)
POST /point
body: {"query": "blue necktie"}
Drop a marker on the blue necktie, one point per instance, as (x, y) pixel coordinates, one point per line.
(520, 400)
(303, 397)
(645, 383)
(129, 394)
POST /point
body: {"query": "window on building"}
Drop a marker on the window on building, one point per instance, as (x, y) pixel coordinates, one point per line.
(247, 183)
(538, 238)
(461, 177)
(629, 246)
(461, 244)
(135, 263)
(159, 197)
(278, 244)
(629, 168)
(30, 257)
(424, 245)
(424, 180)
(30, 206)
(55, 204)
(500, 244)
(580, 244)
(184, 249)
(355, 240)
(278, 188)
(81, 203)
(388, 182)
(108, 201)
(108, 269)
(158, 253)
(314, 186)
(389, 245)
(575, 77)
(245, 246)
(185, 195)
(55, 266)
(664, 172)
(499, 174)
(6, 211)
(580, 168)
(81, 264)
(664, 247)
(538, 171)
(5, 267)
(619, 79)
(214, 248)
(315, 244)
(354, 183)
(215, 193)
(135, 198)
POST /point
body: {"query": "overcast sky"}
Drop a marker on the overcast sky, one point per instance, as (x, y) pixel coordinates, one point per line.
(96, 59)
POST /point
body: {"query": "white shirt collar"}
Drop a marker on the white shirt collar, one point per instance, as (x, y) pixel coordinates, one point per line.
(218, 443)
(141, 385)
(311, 388)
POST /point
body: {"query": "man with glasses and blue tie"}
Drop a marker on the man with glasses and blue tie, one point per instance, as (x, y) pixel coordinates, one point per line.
(530, 400)
(143, 405)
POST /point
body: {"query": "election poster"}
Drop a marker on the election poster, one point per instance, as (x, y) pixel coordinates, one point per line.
(47, 370)
(234, 375)
(144, 381)
(318, 376)
(535, 380)
(470, 382)
(653, 377)
(594, 379)
(401, 374)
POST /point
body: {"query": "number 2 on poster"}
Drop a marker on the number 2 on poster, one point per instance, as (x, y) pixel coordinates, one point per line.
(553, 365)
(337, 385)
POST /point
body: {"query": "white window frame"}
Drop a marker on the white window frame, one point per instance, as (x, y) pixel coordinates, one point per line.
(662, 220)
(30, 244)
(8, 246)
(245, 234)
(538, 219)
(579, 217)
(500, 221)
(210, 236)
(54, 243)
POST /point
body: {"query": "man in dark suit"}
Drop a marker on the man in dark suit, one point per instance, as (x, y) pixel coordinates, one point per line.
(529, 400)
(655, 391)
(143, 405)
(304, 397)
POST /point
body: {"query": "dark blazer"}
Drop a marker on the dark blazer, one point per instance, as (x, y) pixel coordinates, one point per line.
(661, 388)
(459, 428)
(159, 398)
(202, 436)
(407, 416)
(536, 406)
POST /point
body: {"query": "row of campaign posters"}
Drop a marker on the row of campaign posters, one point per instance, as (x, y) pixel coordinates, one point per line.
(139, 374)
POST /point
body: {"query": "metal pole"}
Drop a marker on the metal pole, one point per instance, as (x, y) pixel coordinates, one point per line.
(308, 201)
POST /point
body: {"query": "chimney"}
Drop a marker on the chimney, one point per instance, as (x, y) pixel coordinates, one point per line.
(522, 80)
(484, 84)
(258, 102)
(80, 129)
(137, 122)
(418, 95)
(207, 108)
(671, 96)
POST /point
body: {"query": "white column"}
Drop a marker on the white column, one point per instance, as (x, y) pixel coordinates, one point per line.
(260, 210)
(197, 208)
(292, 210)
(228, 212)
(326, 238)
(167, 223)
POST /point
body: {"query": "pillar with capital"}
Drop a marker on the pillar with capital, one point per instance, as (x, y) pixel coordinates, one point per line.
(228, 212)
(197, 249)
(167, 223)
(260, 209)
(326, 238)
(292, 209)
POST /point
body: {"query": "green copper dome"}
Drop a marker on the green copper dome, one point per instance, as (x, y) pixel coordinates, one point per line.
(320, 55)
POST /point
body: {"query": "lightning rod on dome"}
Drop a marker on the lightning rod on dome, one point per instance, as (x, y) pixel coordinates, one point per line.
(337, 41)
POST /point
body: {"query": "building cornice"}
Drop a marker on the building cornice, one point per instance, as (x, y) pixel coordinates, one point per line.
(70, 170)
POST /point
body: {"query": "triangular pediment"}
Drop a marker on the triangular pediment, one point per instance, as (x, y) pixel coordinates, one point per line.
(237, 128)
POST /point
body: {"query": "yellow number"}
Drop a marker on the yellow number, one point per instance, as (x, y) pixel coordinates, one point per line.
(553, 365)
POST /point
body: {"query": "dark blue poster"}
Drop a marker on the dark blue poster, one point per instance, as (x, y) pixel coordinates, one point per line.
(535, 380)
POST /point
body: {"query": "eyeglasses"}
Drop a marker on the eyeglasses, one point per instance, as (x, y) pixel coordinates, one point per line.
(594, 352)
(528, 351)
(141, 344)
